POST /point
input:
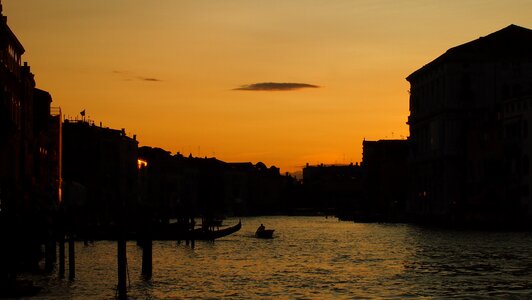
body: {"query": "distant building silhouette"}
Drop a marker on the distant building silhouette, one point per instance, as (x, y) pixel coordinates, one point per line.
(175, 186)
(255, 189)
(158, 188)
(469, 122)
(100, 170)
(333, 189)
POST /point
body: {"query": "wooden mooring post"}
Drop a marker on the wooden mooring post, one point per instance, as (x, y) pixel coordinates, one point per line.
(62, 256)
(147, 257)
(50, 255)
(71, 258)
(122, 268)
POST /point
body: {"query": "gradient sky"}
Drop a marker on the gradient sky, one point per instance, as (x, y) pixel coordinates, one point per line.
(180, 74)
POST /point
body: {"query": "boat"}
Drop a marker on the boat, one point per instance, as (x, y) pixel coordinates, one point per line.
(176, 233)
(264, 233)
(160, 232)
(207, 234)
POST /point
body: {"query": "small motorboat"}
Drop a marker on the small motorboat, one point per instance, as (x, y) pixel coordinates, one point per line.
(264, 233)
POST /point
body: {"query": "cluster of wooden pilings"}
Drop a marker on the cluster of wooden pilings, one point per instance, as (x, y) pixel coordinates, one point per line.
(121, 261)
(145, 242)
(60, 253)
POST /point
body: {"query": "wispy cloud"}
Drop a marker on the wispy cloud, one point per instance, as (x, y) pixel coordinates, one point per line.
(274, 86)
(128, 76)
(148, 78)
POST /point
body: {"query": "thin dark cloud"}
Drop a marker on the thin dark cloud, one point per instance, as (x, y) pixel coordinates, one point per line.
(274, 86)
(128, 76)
(149, 79)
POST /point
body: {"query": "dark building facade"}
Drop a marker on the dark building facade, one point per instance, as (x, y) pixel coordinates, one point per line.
(463, 153)
(100, 177)
(29, 161)
(335, 189)
(175, 186)
(255, 189)
(517, 149)
(385, 179)
(16, 120)
(158, 184)
(46, 146)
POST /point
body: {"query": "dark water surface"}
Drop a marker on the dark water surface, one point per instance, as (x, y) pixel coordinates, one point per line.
(312, 258)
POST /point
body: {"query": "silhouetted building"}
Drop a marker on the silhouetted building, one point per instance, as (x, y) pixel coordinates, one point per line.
(517, 148)
(174, 186)
(100, 169)
(385, 173)
(461, 162)
(332, 188)
(254, 189)
(202, 185)
(159, 187)
(16, 121)
(47, 151)
(29, 162)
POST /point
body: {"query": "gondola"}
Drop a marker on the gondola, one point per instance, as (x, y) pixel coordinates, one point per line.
(173, 232)
(207, 234)
(160, 232)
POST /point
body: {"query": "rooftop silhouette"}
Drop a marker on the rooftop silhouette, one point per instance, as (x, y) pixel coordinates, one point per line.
(512, 42)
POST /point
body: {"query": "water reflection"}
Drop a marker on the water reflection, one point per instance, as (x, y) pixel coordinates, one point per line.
(471, 263)
(314, 258)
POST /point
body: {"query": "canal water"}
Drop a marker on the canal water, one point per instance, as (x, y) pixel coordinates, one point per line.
(312, 258)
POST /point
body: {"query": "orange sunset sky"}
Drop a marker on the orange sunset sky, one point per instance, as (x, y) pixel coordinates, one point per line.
(169, 71)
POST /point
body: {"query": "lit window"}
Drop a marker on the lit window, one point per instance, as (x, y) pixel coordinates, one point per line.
(141, 163)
